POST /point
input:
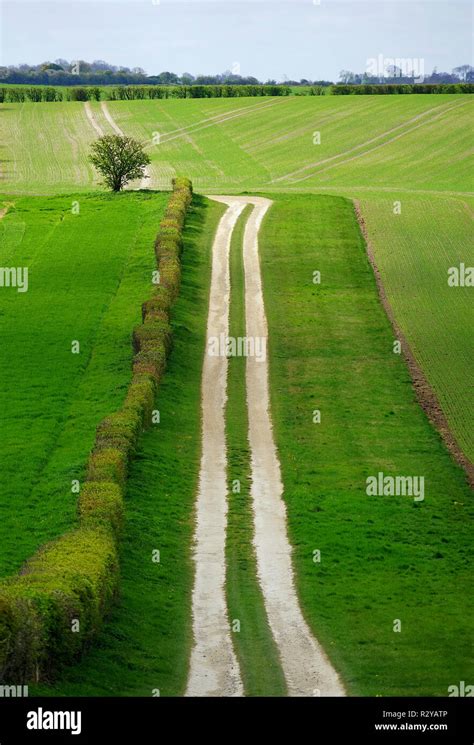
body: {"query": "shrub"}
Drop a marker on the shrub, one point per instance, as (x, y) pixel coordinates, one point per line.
(119, 431)
(141, 396)
(109, 464)
(167, 247)
(72, 579)
(78, 94)
(101, 503)
(170, 275)
(19, 636)
(154, 334)
(159, 303)
(151, 362)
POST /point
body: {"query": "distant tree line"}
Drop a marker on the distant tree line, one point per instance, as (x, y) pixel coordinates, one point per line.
(99, 73)
(62, 72)
(394, 75)
(14, 94)
(82, 81)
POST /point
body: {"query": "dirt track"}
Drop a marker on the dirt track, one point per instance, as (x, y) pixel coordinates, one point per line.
(213, 667)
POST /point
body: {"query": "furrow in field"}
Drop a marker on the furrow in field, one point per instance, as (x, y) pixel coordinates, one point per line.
(110, 119)
(187, 130)
(223, 116)
(214, 670)
(92, 120)
(442, 108)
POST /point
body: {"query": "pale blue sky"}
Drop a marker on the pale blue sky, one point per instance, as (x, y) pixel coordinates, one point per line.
(292, 38)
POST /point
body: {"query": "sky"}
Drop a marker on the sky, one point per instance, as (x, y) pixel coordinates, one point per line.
(289, 39)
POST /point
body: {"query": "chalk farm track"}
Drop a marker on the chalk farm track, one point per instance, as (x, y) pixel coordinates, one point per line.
(213, 666)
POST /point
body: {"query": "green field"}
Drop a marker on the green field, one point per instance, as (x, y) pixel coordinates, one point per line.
(414, 252)
(383, 558)
(52, 399)
(374, 148)
(225, 145)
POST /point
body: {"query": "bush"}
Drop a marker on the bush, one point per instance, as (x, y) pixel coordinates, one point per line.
(119, 431)
(159, 303)
(101, 503)
(72, 579)
(150, 362)
(400, 88)
(154, 334)
(78, 94)
(109, 464)
(141, 397)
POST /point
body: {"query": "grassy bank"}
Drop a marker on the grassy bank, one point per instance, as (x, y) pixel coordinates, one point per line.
(383, 558)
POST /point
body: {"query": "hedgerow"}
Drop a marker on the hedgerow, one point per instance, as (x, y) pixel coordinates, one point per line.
(55, 606)
(382, 89)
(40, 93)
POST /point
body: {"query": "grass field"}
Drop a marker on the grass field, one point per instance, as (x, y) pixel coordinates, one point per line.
(382, 558)
(406, 142)
(52, 399)
(416, 149)
(414, 251)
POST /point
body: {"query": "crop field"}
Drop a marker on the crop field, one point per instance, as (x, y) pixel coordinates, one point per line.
(380, 560)
(415, 250)
(375, 148)
(227, 146)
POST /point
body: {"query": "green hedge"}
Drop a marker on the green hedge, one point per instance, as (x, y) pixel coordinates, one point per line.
(400, 88)
(57, 604)
(19, 94)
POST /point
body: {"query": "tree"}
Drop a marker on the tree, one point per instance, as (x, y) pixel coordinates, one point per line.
(347, 77)
(119, 160)
(462, 71)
